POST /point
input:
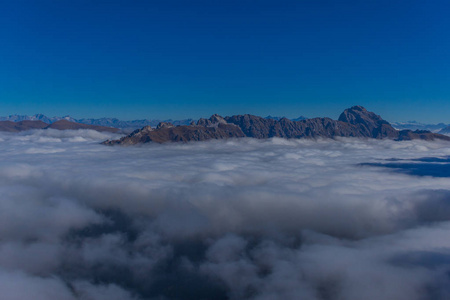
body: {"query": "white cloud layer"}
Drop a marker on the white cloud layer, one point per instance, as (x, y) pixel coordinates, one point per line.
(235, 219)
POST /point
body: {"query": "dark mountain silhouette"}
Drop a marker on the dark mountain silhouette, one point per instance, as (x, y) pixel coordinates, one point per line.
(353, 122)
(21, 125)
(64, 125)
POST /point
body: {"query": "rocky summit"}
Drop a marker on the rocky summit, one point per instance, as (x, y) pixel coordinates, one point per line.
(353, 122)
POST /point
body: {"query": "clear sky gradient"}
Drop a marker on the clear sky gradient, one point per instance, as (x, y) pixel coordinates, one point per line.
(180, 59)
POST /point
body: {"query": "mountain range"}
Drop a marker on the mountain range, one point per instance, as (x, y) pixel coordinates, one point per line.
(353, 122)
(136, 124)
(107, 122)
(62, 124)
(110, 122)
(414, 125)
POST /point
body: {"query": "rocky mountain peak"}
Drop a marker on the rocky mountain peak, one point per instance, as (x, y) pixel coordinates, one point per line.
(358, 114)
(217, 119)
(214, 120)
(147, 128)
(164, 125)
(202, 122)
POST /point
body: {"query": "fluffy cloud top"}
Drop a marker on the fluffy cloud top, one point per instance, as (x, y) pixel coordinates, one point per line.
(235, 219)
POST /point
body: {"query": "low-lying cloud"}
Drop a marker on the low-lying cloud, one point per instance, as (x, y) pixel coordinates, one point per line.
(235, 219)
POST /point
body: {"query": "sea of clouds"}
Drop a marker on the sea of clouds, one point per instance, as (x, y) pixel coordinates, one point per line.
(234, 219)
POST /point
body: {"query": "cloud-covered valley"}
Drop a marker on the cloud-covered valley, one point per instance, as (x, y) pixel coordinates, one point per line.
(229, 219)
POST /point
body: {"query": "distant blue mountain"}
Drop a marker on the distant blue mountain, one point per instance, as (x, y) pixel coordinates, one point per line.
(413, 125)
(112, 122)
(445, 130)
(109, 122)
(36, 117)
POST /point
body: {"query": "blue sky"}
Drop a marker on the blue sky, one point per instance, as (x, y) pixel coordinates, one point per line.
(180, 59)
